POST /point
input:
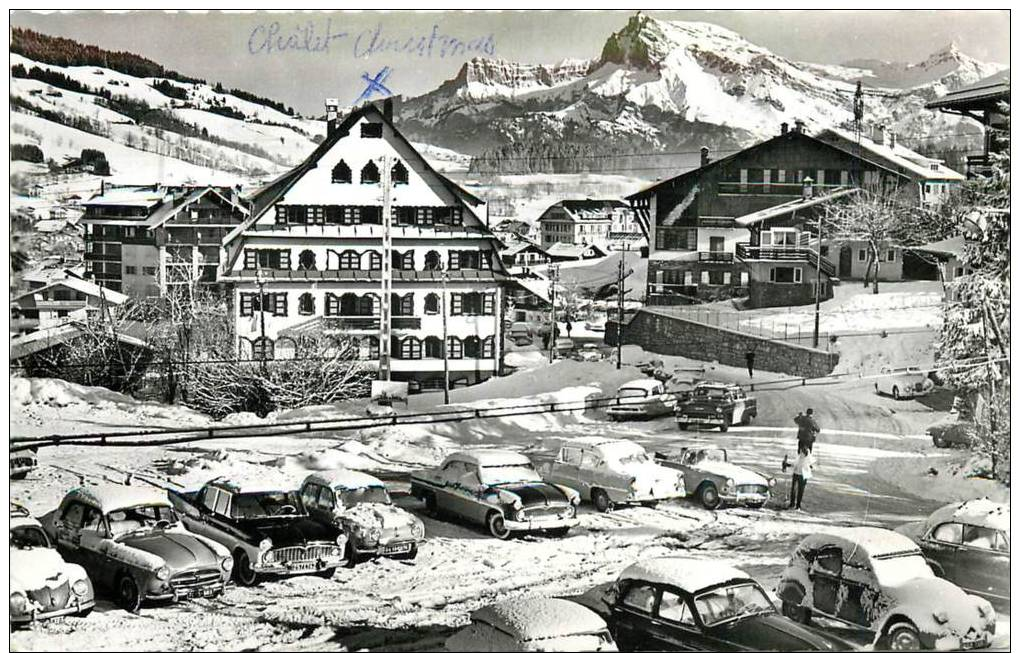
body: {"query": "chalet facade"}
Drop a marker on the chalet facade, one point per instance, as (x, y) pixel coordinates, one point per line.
(588, 222)
(143, 240)
(698, 250)
(523, 254)
(309, 259)
(59, 300)
(981, 101)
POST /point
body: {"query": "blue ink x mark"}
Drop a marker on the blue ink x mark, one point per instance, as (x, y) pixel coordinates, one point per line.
(375, 84)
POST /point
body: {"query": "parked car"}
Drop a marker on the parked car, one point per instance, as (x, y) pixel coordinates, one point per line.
(612, 472)
(954, 429)
(359, 504)
(498, 489)
(642, 399)
(715, 481)
(563, 347)
(878, 580)
(968, 544)
(131, 541)
(676, 603)
(597, 322)
(714, 403)
(23, 462)
(904, 382)
(264, 527)
(589, 353)
(533, 624)
(520, 334)
(43, 585)
(656, 370)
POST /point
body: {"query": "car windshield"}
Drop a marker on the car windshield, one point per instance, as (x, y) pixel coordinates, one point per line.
(632, 393)
(624, 457)
(129, 520)
(25, 537)
(709, 455)
(897, 570)
(711, 393)
(259, 505)
(732, 602)
(351, 498)
(498, 475)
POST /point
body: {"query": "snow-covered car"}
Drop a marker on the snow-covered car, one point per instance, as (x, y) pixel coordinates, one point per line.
(903, 382)
(131, 541)
(878, 580)
(642, 399)
(715, 403)
(597, 322)
(43, 585)
(359, 504)
(498, 489)
(23, 462)
(520, 334)
(967, 543)
(612, 472)
(563, 347)
(954, 429)
(675, 603)
(533, 624)
(264, 527)
(715, 481)
(589, 353)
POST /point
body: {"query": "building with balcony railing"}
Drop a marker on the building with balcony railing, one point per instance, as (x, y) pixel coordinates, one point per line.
(310, 259)
(60, 300)
(981, 101)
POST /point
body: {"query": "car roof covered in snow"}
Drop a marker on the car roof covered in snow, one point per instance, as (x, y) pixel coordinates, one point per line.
(344, 479)
(686, 574)
(110, 498)
(718, 384)
(607, 446)
(644, 384)
(256, 483)
(488, 457)
(977, 512)
(536, 618)
(861, 543)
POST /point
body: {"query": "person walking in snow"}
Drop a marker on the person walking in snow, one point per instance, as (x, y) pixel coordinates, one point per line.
(802, 472)
(807, 430)
(749, 357)
(569, 326)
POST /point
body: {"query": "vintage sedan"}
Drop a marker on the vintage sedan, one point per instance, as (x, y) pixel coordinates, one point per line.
(904, 382)
(43, 585)
(264, 527)
(968, 544)
(676, 603)
(131, 541)
(612, 472)
(533, 624)
(715, 403)
(360, 505)
(715, 481)
(641, 399)
(499, 489)
(878, 580)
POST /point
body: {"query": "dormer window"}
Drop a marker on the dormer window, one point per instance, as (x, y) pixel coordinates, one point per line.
(342, 173)
(371, 130)
(399, 174)
(370, 173)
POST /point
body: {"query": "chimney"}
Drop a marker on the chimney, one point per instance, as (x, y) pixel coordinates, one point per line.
(784, 127)
(880, 135)
(798, 126)
(704, 157)
(892, 139)
(387, 109)
(332, 112)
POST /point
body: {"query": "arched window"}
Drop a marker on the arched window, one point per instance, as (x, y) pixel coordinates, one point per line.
(350, 260)
(306, 260)
(410, 348)
(370, 173)
(306, 304)
(368, 305)
(472, 347)
(489, 347)
(262, 349)
(374, 260)
(454, 347)
(431, 304)
(402, 305)
(399, 174)
(285, 348)
(433, 347)
(349, 304)
(407, 260)
(341, 173)
(433, 261)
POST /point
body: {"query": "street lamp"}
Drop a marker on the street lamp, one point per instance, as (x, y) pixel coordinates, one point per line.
(808, 194)
(446, 347)
(260, 280)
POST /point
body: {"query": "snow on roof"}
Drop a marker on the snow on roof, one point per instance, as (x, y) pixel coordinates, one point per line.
(993, 87)
(109, 498)
(489, 457)
(145, 196)
(83, 286)
(644, 384)
(684, 573)
(571, 250)
(790, 207)
(977, 512)
(347, 479)
(898, 155)
(862, 542)
(950, 247)
(254, 482)
(536, 618)
(672, 255)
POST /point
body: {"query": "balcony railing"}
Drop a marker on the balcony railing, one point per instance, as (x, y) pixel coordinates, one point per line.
(360, 323)
(403, 322)
(748, 252)
(979, 165)
(772, 188)
(724, 223)
(715, 257)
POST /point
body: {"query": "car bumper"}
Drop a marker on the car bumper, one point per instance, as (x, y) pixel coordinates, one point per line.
(540, 524)
(699, 420)
(753, 500)
(75, 608)
(395, 548)
(633, 413)
(640, 497)
(955, 643)
(295, 568)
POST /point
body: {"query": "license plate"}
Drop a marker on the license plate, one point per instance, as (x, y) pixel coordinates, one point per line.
(974, 643)
(397, 548)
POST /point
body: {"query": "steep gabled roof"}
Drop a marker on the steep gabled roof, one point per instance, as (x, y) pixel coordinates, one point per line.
(170, 209)
(790, 207)
(992, 88)
(81, 285)
(896, 155)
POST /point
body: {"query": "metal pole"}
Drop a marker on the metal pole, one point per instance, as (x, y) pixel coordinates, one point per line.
(818, 281)
(262, 319)
(554, 273)
(385, 326)
(619, 302)
(446, 349)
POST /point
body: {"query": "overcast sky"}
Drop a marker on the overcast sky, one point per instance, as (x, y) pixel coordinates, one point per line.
(268, 53)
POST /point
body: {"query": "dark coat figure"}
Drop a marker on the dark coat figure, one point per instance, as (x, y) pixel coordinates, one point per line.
(749, 356)
(807, 430)
(569, 327)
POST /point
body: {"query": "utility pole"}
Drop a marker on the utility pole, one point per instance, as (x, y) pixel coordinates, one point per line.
(446, 347)
(554, 276)
(619, 308)
(261, 281)
(818, 280)
(387, 274)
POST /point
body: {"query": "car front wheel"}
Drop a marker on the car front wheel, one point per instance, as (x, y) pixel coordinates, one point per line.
(725, 426)
(709, 496)
(497, 526)
(903, 637)
(939, 441)
(128, 596)
(895, 392)
(601, 500)
(244, 574)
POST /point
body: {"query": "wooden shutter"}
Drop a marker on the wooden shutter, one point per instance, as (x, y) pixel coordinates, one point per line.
(489, 347)
(247, 304)
(456, 304)
(250, 259)
(281, 214)
(488, 304)
(454, 260)
(284, 259)
(280, 304)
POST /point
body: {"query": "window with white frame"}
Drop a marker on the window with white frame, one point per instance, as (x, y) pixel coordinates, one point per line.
(785, 275)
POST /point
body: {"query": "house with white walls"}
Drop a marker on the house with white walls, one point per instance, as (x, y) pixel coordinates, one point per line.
(309, 260)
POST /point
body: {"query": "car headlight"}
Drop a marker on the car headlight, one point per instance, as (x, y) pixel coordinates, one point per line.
(19, 604)
(730, 485)
(418, 530)
(940, 617)
(268, 557)
(80, 587)
(341, 540)
(265, 545)
(569, 512)
(372, 536)
(772, 482)
(163, 573)
(227, 563)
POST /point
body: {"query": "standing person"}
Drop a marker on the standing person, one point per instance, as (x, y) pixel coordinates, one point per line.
(749, 357)
(812, 429)
(802, 472)
(569, 326)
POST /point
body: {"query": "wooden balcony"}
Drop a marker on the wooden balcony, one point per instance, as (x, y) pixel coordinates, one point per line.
(748, 252)
(715, 257)
(351, 323)
(405, 322)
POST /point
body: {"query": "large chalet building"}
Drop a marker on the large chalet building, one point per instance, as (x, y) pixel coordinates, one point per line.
(309, 259)
(745, 224)
(982, 101)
